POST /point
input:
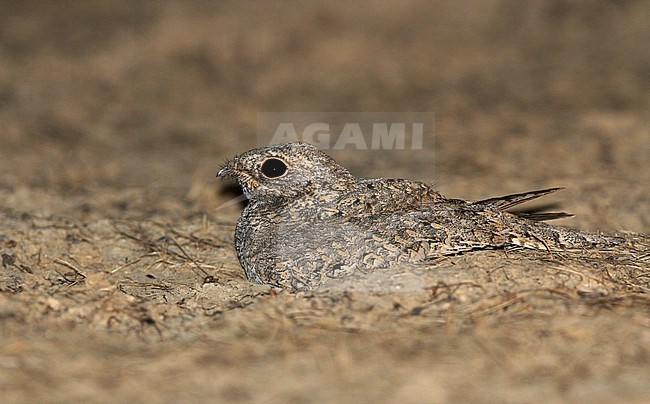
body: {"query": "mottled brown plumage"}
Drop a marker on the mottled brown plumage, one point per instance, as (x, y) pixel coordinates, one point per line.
(309, 219)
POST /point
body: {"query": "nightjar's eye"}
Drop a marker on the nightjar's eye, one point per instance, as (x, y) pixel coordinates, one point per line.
(273, 168)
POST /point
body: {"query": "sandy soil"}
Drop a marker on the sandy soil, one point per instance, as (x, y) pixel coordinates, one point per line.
(119, 279)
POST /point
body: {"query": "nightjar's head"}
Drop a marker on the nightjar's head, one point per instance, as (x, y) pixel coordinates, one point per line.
(286, 171)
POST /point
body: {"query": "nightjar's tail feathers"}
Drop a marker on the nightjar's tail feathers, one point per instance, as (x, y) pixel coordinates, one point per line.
(508, 201)
(542, 216)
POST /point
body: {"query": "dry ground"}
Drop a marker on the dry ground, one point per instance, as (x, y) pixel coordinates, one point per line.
(119, 280)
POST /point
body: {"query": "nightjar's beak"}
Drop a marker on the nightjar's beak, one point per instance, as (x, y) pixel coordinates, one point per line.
(222, 172)
(233, 170)
(226, 172)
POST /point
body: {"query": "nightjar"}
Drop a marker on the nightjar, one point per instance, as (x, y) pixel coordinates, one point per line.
(308, 219)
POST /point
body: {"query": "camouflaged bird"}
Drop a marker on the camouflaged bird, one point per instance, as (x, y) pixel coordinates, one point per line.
(308, 219)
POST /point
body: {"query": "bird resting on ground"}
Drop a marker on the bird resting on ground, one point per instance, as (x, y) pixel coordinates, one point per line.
(308, 219)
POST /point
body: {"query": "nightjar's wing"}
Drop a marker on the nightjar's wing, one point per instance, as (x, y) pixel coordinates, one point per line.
(383, 196)
(508, 201)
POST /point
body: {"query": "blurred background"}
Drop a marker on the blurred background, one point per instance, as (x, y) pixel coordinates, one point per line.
(112, 100)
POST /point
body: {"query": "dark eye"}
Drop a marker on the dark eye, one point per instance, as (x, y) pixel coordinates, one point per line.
(273, 168)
